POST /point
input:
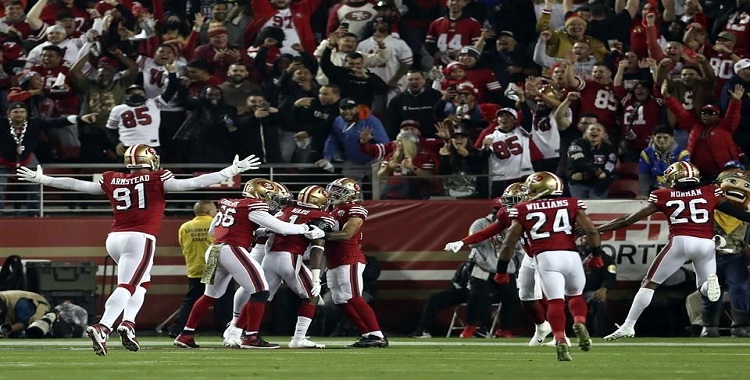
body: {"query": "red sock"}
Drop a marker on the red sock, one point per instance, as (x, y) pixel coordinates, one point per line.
(535, 310)
(578, 308)
(556, 317)
(366, 313)
(306, 309)
(255, 312)
(242, 318)
(199, 308)
(353, 316)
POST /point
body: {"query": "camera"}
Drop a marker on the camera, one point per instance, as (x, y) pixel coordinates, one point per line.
(345, 25)
(5, 328)
(41, 327)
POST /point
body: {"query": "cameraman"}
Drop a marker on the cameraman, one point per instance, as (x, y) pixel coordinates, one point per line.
(18, 310)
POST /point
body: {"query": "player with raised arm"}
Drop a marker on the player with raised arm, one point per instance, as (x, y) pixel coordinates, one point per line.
(529, 287)
(227, 258)
(138, 202)
(284, 259)
(547, 220)
(276, 201)
(689, 206)
(346, 261)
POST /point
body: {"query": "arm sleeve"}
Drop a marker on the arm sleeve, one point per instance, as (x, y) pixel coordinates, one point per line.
(734, 211)
(93, 188)
(482, 235)
(199, 182)
(267, 220)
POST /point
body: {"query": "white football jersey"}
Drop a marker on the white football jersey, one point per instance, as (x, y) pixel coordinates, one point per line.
(137, 125)
(511, 154)
(546, 135)
(155, 78)
(399, 54)
(284, 20)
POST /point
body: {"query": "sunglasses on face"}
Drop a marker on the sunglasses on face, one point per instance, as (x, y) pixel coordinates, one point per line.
(708, 113)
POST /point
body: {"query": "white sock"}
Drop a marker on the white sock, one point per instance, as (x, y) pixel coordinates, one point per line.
(640, 302)
(134, 304)
(704, 289)
(378, 334)
(114, 306)
(240, 299)
(300, 331)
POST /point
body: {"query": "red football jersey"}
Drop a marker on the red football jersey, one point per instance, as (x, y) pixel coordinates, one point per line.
(66, 103)
(599, 100)
(549, 223)
(453, 34)
(235, 228)
(483, 80)
(297, 244)
(137, 200)
(639, 120)
(689, 212)
(348, 251)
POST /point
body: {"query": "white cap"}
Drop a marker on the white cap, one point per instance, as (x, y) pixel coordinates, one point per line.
(508, 110)
(741, 64)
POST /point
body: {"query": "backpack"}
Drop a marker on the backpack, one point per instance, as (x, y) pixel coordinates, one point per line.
(11, 274)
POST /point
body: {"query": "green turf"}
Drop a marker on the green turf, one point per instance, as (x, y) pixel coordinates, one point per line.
(406, 359)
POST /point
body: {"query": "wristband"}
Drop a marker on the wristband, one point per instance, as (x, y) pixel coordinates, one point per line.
(315, 274)
(597, 251)
(502, 266)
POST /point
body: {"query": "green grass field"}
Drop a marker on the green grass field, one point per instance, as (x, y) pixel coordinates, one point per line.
(406, 359)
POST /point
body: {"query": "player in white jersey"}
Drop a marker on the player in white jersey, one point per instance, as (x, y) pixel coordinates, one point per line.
(137, 121)
(510, 150)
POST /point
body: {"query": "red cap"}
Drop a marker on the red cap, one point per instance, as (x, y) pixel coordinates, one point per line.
(711, 107)
(111, 62)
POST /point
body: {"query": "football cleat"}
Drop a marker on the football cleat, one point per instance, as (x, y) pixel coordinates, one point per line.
(98, 334)
(540, 334)
(584, 339)
(127, 335)
(371, 341)
(503, 334)
(232, 336)
(186, 341)
(710, 332)
(563, 352)
(256, 342)
(304, 343)
(622, 331)
(553, 343)
(420, 334)
(714, 290)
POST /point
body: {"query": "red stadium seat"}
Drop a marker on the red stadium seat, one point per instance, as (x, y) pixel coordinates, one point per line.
(623, 189)
(627, 170)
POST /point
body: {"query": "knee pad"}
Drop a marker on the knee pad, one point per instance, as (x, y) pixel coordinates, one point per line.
(261, 296)
(128, 287)
(145, 285)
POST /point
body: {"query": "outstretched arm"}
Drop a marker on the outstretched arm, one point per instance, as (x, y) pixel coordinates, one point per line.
(509, 245)
(734, 211)
(625, 221)
(350, 228)
(237, 167)
(267, 220)
(67, 183)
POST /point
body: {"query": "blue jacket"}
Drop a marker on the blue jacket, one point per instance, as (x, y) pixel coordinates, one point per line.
(650, 165)
(345, 138)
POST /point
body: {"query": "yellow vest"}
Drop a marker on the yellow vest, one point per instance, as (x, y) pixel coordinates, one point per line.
(194, 241)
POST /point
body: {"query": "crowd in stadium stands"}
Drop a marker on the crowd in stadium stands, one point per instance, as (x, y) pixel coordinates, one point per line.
(605, 93)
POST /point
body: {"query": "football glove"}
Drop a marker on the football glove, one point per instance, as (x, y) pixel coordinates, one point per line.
(249, 163)
(501, 278)
(326, 165)
(314, 232)
(261, 232)
(596, 261)
(454, 246)
(315, 291)
(36, 176)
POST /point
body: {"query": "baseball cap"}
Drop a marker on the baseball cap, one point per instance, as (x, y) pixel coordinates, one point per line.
(741, 64)
(664, 129)
(348, 103)
(411, 123)
(459, 131)
(727, 36)
(710, 108)
(507, 33)
(466, 87)
(470, 50)
(508, 110)
(15, 105)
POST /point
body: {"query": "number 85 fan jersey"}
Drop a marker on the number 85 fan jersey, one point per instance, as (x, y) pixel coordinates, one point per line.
(139, 124)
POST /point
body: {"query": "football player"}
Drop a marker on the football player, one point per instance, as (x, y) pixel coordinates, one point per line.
(227, 258)
(138, 202)
(529, 286)
(346, 261)
(689, 206)
(547, 221)
(138, 120)
(276, 201)
(284, 259)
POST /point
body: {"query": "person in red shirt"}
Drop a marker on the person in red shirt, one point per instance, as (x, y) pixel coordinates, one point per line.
(198, 77)
(482, 78)
(218, 52)
(23, 28)
(641, 113)
(52, 12)
(689, 206)
(597, 95)
(448, 34)
(138, 202)
(547, 221)
(403, 168)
